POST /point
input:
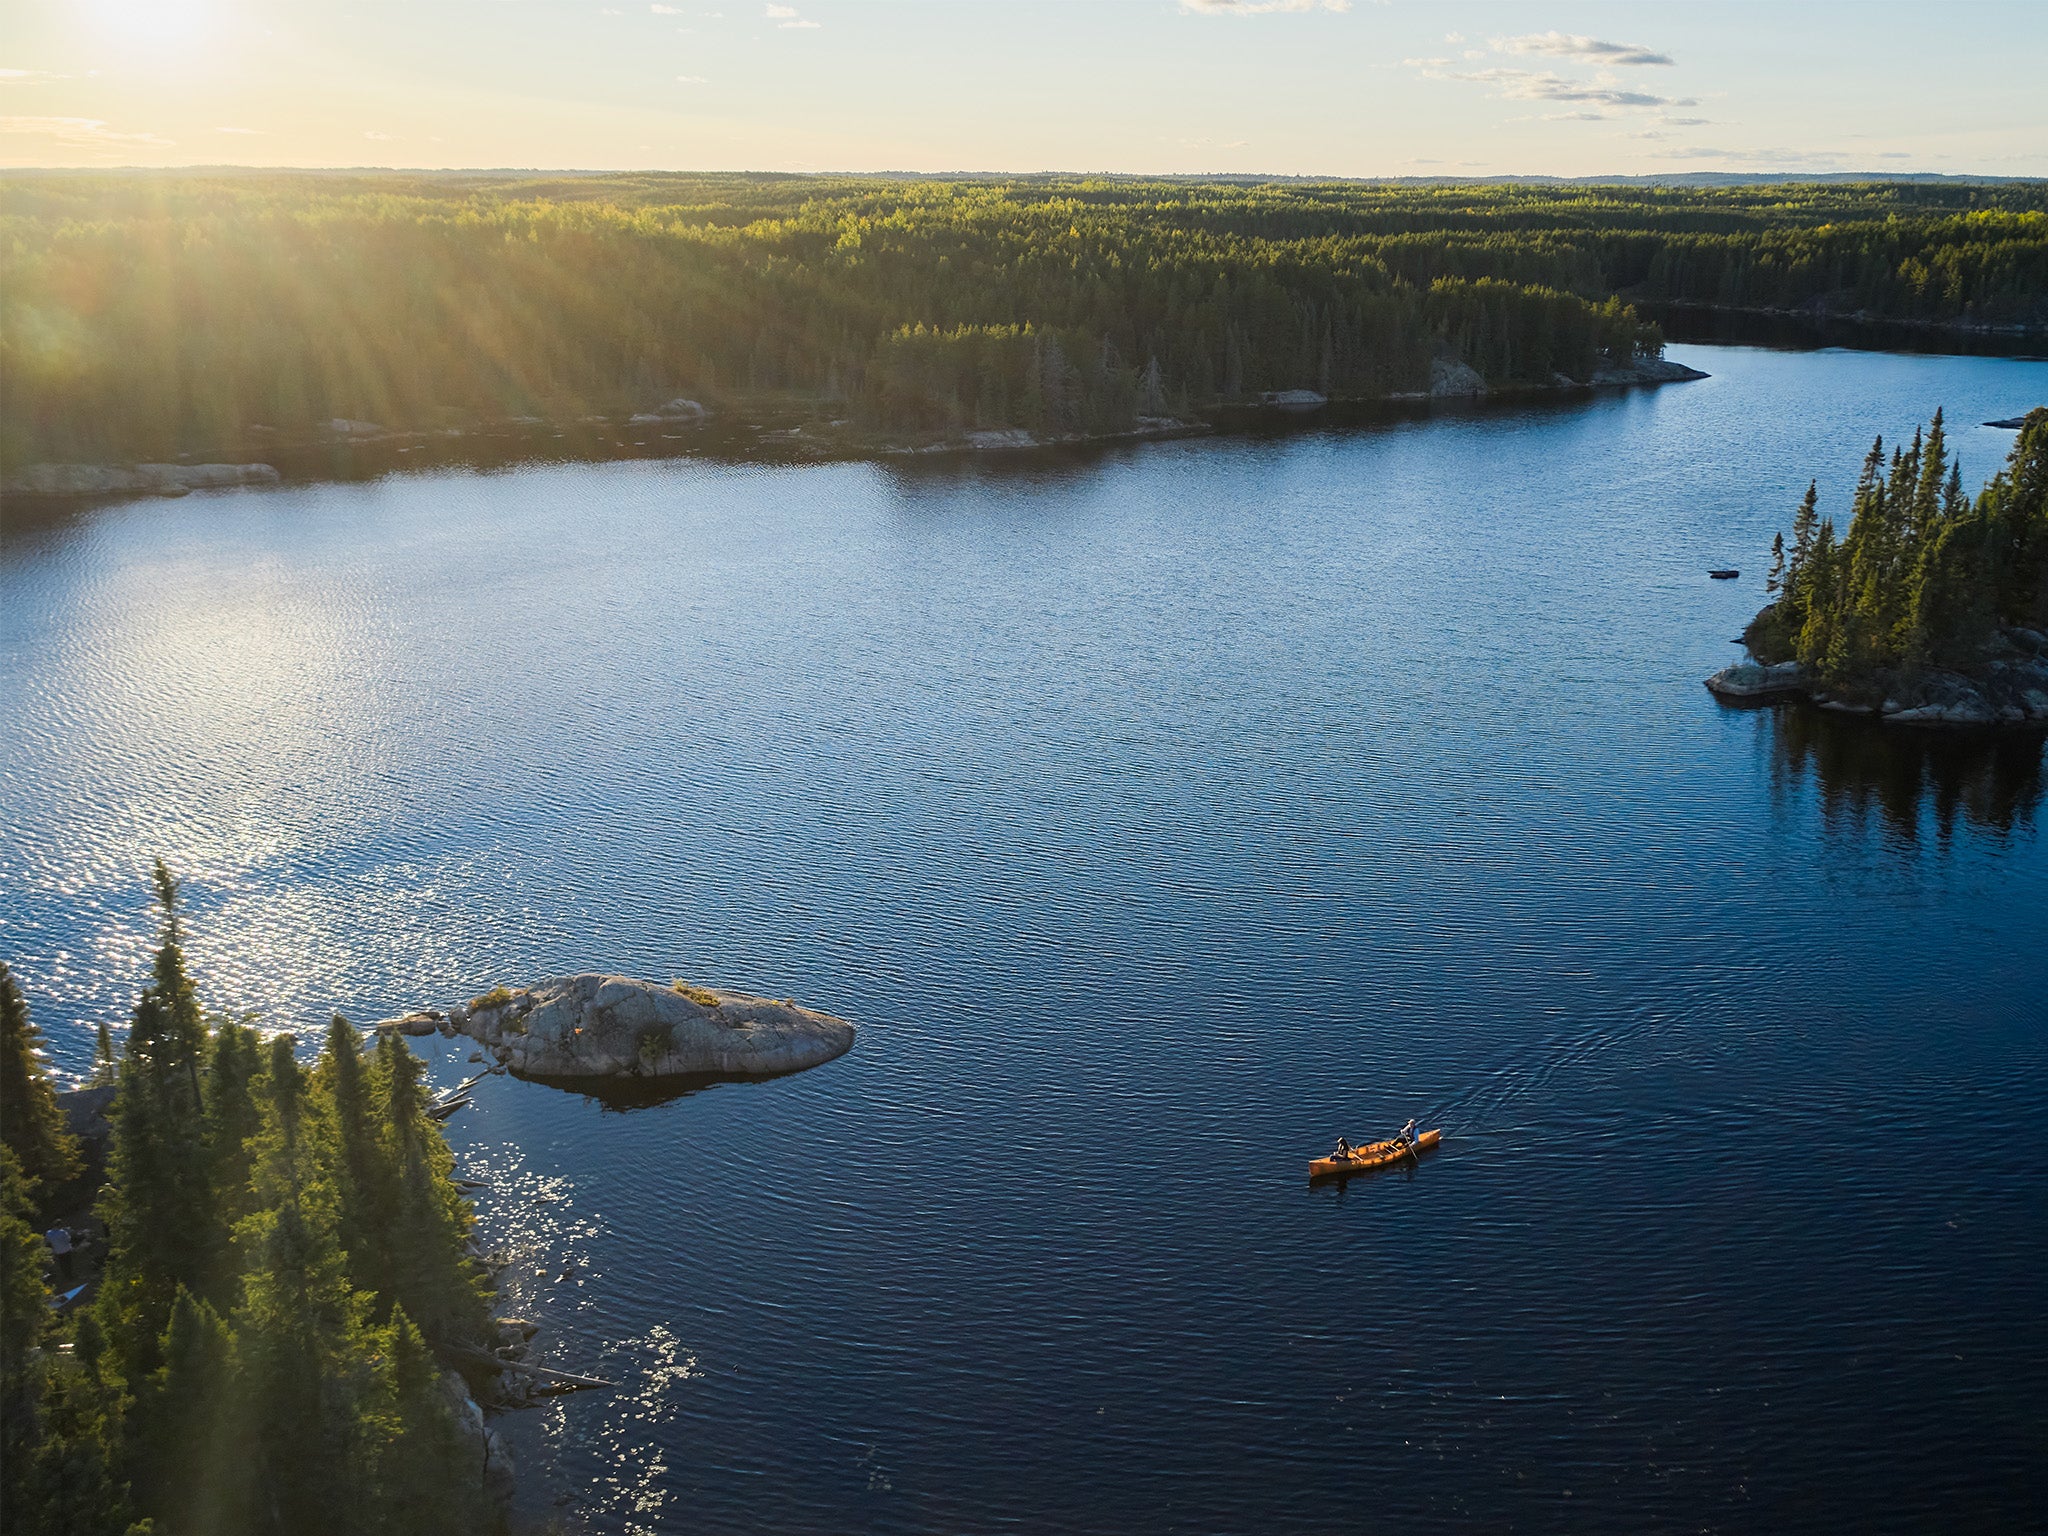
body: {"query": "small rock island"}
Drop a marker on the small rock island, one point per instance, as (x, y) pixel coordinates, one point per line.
(1931, 610)
(615, 1027)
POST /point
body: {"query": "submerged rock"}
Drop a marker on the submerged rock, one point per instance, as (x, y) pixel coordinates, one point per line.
(594, 1026)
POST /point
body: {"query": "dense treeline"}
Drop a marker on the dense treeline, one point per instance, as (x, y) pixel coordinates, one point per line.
(285, 1258)
(1924, 577)
(149, 314)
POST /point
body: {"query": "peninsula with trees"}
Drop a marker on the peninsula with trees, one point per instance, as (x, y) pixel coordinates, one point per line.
(1929, 609)
(286, 1326)
(177, 330)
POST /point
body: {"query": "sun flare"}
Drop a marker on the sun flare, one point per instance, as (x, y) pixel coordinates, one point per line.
(154, 25)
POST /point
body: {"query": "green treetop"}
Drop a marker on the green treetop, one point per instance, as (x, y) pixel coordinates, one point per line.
(31, 1124)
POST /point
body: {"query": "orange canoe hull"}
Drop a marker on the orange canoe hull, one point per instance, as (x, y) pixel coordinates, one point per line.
(1380, 1154)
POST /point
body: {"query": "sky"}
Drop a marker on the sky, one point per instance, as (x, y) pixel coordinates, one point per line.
(1347, 88)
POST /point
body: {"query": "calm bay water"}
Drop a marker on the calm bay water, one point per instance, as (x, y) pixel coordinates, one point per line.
(1158, 815)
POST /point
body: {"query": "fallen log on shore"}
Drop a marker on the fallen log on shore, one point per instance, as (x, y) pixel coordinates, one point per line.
(562, 1381)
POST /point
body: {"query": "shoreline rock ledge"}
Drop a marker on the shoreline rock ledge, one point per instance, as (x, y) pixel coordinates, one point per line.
(2008, 689)
(595, 1026)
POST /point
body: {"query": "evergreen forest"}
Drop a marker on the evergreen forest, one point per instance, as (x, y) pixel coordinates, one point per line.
(144, 315)
(1924, 577)
(285, 1273)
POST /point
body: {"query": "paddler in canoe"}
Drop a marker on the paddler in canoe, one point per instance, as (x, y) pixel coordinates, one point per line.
(1353, 1159)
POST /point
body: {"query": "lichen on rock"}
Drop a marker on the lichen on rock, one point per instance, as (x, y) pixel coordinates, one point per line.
(597, 1026)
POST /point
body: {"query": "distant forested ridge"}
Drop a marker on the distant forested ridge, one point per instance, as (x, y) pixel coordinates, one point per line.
(143, 315)
(283, 1271)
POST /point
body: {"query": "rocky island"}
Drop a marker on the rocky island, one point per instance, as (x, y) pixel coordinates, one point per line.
(1931, 610)
(615, 1027)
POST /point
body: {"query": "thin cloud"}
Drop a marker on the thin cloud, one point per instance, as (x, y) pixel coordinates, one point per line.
(1765, 159)
(786, 19)
(28, 76)
(77, 131)
(1544, 85)
(1259, 7)
(666, 10)
(371, 133)
(256, 131)
(1570, 45)
(691, 80)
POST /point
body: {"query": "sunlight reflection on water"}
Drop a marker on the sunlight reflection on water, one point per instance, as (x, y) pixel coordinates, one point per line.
(1157, 815)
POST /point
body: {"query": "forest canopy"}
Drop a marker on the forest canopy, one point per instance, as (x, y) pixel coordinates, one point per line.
(286, 1275)
(143, 315)
(1922, 577)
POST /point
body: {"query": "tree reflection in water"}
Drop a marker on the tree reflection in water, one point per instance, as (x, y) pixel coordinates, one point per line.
(1992, 779)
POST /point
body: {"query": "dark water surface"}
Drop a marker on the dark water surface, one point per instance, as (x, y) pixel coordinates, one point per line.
(1158, 815)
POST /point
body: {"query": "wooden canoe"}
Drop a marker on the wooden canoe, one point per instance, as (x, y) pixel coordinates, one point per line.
(1379, 1154)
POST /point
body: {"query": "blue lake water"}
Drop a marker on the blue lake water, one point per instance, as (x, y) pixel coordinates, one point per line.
(1159, 814)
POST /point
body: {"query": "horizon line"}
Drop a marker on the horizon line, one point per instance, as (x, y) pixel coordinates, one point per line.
(1480, 178)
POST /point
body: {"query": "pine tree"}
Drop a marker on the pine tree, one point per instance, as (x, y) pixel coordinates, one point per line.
(233, 1118)
(158, 1203)
(189, 1461)
(183, 1025)
(71, 1483)
(1805, 525)
(31, 1123)
(1933, 471)
(24, 1299)
(56, 1431)
(1775, 581)
(106, 1065)
(433, 1278)
(302, 1335)
(427, 1478)
(368, 1176)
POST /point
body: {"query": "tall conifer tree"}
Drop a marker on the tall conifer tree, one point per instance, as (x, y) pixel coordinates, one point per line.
(31, 1124)
(159, 1199)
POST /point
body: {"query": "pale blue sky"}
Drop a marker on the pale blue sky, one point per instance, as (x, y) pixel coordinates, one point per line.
(1301, 87)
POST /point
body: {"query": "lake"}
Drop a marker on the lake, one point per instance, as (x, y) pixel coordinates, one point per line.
(1159, 814)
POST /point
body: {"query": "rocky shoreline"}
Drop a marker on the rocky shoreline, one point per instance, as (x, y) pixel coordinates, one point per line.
(590, 1029)
(344, 449)
(133, 479)
(2008, 689)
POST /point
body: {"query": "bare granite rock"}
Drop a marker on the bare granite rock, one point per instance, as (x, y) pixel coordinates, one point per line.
(594, 1026)
(487, 1450)
(2009, 689)
(1752, 680)
(427, 1021)
(132, 479)
(1450, 380)
(1648, 370)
